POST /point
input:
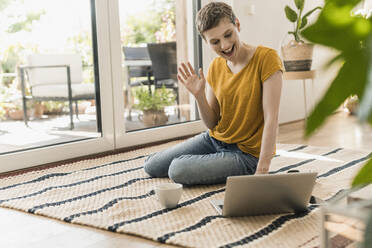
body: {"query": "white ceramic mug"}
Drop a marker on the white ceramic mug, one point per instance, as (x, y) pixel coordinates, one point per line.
(168, 194)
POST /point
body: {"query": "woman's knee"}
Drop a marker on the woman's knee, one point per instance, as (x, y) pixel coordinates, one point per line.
(149, 169)
(179, 171)
(155, 168)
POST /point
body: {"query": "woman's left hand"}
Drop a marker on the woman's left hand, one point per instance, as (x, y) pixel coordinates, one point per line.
(263, 166)
(261, 171)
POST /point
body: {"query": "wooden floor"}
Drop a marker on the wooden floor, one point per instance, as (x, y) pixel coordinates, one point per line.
(19, 229)
(341, 129)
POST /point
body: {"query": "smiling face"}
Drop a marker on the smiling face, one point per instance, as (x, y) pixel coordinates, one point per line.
(224, 39)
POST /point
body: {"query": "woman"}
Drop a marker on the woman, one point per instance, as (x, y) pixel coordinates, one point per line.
(238, 102)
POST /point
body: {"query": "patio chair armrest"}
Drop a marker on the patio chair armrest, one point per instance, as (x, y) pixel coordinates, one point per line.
(22, 69)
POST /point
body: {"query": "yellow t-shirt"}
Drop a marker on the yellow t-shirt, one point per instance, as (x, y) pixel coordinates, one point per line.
(240, 99)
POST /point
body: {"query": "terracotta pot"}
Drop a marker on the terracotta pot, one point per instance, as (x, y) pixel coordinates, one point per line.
(38, 110)
(82, 107)
(15, 114)
(297, 56)
(153, 118)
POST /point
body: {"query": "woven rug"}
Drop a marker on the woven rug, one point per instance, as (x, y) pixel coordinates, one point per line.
(114, 193)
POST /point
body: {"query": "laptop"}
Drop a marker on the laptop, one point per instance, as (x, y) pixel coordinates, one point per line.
(266, 194)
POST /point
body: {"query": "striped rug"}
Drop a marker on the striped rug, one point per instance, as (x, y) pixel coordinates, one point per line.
(114, 193)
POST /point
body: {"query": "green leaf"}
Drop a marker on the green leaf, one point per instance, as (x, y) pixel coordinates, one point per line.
(367, 237)
(299, 4)
(16, 27)
(325, 33)
(303, 22)
(290, 13)
(337, 58)
(350, 80)
(338, 16)
(345, 2)
(311, 11)
(364, 175)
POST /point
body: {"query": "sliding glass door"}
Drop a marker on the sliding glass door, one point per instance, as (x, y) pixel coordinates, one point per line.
(88, 76)
(155, 37)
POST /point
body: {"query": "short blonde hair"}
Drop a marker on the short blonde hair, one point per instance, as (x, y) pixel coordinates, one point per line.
(211, 14)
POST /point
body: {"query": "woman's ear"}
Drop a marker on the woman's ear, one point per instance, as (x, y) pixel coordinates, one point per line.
(237, 24)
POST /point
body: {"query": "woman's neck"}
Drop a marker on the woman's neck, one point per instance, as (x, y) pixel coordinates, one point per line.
(244, 55)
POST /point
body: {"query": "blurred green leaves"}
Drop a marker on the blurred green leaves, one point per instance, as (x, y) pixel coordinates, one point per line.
(364, 176)
(342, 87)
(151, 25)
(26, 25)
(337, 28)
(4, 4)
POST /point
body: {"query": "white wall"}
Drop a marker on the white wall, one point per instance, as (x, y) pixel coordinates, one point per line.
(268, 26)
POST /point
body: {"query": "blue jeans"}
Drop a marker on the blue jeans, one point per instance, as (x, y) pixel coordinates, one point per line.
(200, 160)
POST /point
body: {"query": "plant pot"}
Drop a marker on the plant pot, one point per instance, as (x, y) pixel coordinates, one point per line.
(153, 118)
(17, 114)
(38, 110)
(82, 107)
(297, 56)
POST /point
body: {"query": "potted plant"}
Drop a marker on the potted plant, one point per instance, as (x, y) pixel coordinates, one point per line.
(11, 103)
(351, 36)
(15, 111)
(38, 109)
(53, 107)
(152, 104)
(297, 55)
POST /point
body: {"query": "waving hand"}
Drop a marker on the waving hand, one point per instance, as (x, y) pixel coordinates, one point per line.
(193, 83)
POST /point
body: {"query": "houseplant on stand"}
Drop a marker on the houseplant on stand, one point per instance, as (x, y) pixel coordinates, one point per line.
(351, 36)
(152, 104)
(297, 55)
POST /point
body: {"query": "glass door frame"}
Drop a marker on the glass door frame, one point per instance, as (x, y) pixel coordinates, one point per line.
(134, 138)
(60, 152)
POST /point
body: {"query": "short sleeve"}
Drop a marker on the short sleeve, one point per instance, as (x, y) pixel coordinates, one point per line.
(271, 63)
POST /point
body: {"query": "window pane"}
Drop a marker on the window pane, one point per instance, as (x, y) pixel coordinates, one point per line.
(47, 63)
(152, 46)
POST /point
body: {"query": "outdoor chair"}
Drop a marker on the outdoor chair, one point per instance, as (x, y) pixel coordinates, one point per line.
(164, 65)
(138, 64)
(55, 77)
